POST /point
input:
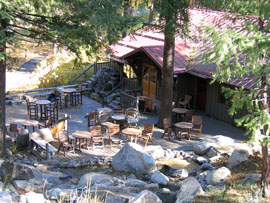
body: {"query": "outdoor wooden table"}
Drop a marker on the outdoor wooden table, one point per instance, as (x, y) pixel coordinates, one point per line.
(81, 136)
(69, 91)
(184, 126)
(180, 112)
(29, 123)
(42, 105)
(104, 109)
(133, 133)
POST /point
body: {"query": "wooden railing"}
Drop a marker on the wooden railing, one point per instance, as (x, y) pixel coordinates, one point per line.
(127, 100)
(130, 84)
(96, 66)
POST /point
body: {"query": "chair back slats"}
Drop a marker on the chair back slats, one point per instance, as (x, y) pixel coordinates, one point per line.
(196, 120)
(63, 136)
(96, 131)
(118, 111)
(148, 128)
(187, 98)
(103, 116)
(114, 129)
(189, 114)
(13, 128)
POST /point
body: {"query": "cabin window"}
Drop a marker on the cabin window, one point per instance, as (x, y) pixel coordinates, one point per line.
(129, 71)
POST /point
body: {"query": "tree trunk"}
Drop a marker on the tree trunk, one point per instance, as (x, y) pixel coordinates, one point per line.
(151, 11)
(2, 93)
(167, 74)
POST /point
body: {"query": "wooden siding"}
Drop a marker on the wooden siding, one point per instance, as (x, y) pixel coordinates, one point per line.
(218, 110)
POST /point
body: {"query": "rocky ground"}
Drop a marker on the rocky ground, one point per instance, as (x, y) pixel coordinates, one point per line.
(134, 174)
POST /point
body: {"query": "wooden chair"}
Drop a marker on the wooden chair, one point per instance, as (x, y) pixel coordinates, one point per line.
(132, 117)
(103, 116)
(118, 111)
(114, 134)
(78, 96)
(185, 102)
(197, 124)
(97, 137)
(32, 110)
(188, 115)
(168, 128)
(149, 106)
(147, 133)
(64, 142)
(60, 98)
(91, 118)
(14, 131)
(52, 111)
(46, 124)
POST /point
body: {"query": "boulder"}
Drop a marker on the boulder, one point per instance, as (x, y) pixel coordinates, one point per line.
(237, 157)
(146, 197)
(252, 179)
(133, 158)
(32, 185)
(189, 188)
(5, 197)
(134, 183)
(32, 197)
(180, 173)
(156, 151)
(217, 141)
(217, 176)
(93, 178)
(22, 172)
(211, 152)
(159, 178)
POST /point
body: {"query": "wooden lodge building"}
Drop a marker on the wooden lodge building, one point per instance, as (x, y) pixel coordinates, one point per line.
(140, 57)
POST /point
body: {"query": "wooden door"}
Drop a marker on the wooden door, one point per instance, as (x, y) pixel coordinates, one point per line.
(149, 81)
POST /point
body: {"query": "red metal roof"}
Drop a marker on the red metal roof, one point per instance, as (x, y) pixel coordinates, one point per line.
(151, 42)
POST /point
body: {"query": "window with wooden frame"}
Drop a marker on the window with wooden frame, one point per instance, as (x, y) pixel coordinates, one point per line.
(129, 71)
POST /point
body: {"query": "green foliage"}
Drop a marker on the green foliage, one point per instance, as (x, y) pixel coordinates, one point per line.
(243, 52)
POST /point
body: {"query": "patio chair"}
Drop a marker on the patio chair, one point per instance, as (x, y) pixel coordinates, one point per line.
(103, 116)
(185, 102)
(149, 106)
(32, 110)
(188, 115)
(147, 133)
(97, 137)
(77, 96)
(168, 127)
(52, 111)
(114, 134)
(197, 124)
(118, 111)
(91, 118)
(46, 124)
(14, 131)
(64, 142)
(132, 117)
(60, 98)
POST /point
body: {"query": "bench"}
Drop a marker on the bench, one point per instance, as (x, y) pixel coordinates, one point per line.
(42, 149)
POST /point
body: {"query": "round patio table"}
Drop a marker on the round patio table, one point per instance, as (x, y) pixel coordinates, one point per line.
(81, 136)
(184, 126)
(104, 109)
(42, 105)
(133, 133)
(180, 112)
(29, 123)
(119, 119)
(69, 91)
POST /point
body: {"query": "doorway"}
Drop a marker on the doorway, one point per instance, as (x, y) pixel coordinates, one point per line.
(149, 81)
(201, 94)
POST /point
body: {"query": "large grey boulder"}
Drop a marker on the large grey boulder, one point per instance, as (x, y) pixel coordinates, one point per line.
(32, 197)
(93, 178)
(237, 157)
(146, 197)
(133, 158)
(252, 179)
(201, 147)
(156, 151)
(159, 178)
(180, 173)
(22, 171)
(189, 188)
(217, 176)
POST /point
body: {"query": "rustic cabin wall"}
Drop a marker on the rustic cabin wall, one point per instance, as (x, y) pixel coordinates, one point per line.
(218, 110)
